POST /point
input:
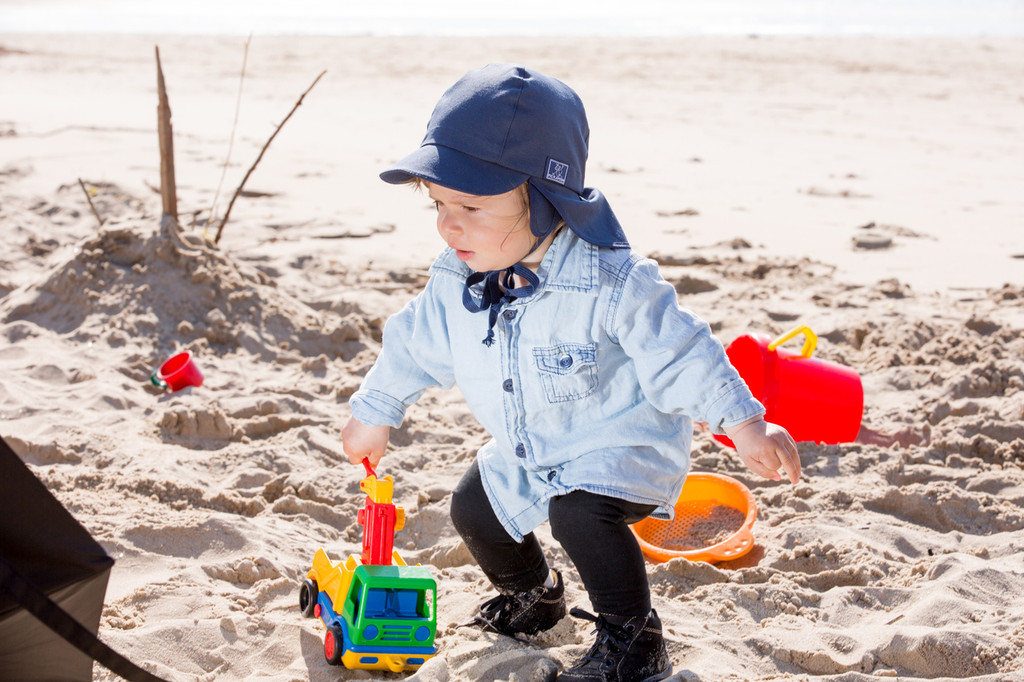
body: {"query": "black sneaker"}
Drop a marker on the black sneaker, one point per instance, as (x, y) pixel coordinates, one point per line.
(628, 649)
(523, 612)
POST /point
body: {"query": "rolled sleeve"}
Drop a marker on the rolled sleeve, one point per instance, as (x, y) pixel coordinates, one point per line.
(374, 408)
(732, 405)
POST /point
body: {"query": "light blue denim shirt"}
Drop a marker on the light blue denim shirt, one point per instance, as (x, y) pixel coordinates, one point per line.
(591, 384)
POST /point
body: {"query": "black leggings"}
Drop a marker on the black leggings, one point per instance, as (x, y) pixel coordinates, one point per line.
(593, 530)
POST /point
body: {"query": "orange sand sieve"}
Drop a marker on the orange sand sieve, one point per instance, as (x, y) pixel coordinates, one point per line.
(707, 500)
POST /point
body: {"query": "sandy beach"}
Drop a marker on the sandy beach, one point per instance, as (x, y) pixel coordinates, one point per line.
(867, 188)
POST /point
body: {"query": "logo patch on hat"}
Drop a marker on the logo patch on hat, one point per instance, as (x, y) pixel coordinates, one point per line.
(556, 171)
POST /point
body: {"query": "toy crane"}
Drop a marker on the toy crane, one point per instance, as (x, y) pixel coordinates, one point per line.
(380, 519)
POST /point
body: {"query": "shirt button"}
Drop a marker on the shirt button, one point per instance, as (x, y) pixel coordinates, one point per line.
(565, 361)
(507, 385)
(509, 315)
(551, 475)
(521, 450)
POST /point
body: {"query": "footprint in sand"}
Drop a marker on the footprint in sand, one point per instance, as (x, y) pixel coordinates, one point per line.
(213, 535)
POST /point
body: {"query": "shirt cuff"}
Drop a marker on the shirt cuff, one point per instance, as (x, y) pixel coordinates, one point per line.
(374, 408)
(733, 405)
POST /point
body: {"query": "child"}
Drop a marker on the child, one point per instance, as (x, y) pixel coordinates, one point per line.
(572, 353)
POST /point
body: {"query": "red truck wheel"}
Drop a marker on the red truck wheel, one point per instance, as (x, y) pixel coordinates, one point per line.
(308, 595)
(334, 645)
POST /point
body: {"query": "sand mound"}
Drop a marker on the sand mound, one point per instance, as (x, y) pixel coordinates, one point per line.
(125, 284)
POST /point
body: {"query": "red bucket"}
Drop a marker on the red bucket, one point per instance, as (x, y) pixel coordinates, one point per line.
(815, 400)
(177, 372)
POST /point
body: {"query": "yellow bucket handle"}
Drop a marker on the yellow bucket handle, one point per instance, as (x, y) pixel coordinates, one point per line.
(810, 340)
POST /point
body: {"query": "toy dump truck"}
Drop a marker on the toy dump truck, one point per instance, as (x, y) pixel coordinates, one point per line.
(380, 613)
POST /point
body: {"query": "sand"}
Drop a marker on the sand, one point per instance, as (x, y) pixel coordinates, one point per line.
(870, 189)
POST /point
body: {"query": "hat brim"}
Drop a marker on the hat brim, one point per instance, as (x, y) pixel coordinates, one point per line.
(455, 170)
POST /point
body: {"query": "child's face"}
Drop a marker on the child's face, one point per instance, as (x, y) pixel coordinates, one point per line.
(487, 232)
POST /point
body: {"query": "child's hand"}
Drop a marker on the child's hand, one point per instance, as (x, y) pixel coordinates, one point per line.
(364, 442)
(765, 448)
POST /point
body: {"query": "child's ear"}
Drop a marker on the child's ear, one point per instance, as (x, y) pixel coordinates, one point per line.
(524, 194)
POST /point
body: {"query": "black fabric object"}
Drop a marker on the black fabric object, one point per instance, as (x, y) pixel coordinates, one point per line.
(53, 579)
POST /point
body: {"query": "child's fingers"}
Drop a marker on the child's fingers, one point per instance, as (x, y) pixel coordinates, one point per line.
(373, 456)
(784, 453)
(789, 458)
(761, 469)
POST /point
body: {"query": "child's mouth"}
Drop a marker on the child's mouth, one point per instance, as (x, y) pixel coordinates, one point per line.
(463, 255)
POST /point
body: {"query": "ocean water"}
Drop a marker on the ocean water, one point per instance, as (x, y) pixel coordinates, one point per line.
(520, 17)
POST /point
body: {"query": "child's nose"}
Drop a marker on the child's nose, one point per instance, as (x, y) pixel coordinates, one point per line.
(446, 223)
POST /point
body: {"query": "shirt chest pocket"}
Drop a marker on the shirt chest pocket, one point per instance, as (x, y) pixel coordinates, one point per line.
(568, 371)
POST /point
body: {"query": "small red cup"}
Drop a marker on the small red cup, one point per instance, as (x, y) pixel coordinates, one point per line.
(177, 372)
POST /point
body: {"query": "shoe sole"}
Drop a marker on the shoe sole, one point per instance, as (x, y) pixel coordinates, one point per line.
(659, 676)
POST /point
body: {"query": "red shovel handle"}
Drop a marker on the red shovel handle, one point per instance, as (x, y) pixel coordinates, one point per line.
(369, 469)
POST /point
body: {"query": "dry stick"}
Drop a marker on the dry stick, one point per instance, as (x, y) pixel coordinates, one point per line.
(238, 191)
(168, 189)
(231, 140)
(88, 197)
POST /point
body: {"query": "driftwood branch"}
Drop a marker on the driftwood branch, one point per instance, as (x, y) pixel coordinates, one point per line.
(88, 197)
(238, 191)
(168, 189)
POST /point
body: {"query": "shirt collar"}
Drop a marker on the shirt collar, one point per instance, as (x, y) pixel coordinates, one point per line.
(570, 264)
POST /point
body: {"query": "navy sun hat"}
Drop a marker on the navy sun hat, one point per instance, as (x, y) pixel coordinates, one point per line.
(503, 125)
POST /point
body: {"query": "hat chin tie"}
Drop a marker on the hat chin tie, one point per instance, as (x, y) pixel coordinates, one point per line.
(498, 291)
